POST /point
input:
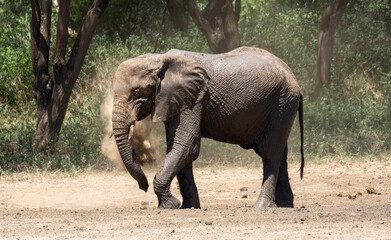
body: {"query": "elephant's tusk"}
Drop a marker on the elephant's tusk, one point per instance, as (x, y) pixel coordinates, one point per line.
(131, 129)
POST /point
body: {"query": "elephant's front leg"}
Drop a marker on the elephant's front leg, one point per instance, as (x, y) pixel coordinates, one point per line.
(163, 179)
(183, 146)
(178, 158)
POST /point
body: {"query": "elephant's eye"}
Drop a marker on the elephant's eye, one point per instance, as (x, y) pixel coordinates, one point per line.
(135, 93)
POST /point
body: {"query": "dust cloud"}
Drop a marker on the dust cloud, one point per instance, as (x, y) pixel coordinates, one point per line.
(146, 144)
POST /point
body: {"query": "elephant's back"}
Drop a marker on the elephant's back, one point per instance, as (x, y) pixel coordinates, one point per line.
(244, 88)
(245, 68)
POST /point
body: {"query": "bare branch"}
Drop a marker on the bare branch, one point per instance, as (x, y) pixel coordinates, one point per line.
(40, 47)
(71, 33)
(62, 36)
(44, 43)
(195, 14)
(176, 10)
(238, 8)
(34, 32)
(83, 39)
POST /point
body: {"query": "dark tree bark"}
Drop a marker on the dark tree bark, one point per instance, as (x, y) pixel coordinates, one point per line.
(177, 12)
(218, 22)
(52, 96)
(328, 24)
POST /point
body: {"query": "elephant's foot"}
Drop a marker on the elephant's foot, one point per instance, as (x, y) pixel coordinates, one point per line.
(265, 203)
(194, 204)
(169, 202)
(285, 202)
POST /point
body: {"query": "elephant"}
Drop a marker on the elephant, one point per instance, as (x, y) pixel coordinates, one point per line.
(247, 97)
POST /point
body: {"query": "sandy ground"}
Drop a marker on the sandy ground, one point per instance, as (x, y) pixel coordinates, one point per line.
(333, 201)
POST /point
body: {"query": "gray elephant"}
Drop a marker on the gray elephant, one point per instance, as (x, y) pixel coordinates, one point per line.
(247, 97)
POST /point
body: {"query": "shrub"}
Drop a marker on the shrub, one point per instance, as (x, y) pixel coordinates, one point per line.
(15, 64)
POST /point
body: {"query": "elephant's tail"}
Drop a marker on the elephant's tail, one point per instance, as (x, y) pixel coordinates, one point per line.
(301, 136)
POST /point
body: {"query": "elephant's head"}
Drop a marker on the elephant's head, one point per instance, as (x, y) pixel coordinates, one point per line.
(160, 85)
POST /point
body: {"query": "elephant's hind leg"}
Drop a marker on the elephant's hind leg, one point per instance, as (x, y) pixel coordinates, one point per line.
(267, 197)
(284, 194)
(272, 148)
(188, 188)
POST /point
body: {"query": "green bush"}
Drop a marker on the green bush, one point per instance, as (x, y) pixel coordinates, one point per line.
(78, 146)
(351, 119)
(15, 54)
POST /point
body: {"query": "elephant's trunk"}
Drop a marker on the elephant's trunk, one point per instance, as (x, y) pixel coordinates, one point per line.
(122, 133)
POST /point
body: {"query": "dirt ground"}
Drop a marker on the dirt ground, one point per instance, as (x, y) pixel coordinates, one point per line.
(333, 201)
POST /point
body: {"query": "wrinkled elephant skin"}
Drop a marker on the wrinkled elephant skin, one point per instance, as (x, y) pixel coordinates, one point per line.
(247, 97)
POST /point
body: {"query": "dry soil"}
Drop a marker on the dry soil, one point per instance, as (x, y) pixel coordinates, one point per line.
(333, 201)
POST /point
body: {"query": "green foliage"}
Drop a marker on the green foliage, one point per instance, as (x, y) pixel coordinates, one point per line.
(351, 119)
(77, 148)
(365, 42)
(15, 64)
(16, 128)
(217, 153)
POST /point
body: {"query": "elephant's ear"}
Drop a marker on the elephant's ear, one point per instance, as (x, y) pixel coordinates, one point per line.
(182, 84)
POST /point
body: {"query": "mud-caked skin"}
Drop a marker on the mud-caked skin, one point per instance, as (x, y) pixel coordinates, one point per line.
(247, 97)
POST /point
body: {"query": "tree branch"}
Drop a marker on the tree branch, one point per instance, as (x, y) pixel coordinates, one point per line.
(328, 25)
(44, 43)
(238, 8)
(60, 45)
(83, 40)
(176, 10)
(195, 14)
(71, 32)
(34, 32)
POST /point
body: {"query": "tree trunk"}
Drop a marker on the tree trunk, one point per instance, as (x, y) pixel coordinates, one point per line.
(328, 24)
(53, 96)
(219, 23)
(176, 10)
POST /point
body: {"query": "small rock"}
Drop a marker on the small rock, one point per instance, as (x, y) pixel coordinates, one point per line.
(173, 231)
(371, 190)
(339, 195)
(208, 223)
(245, 196)
(352, 196)
(144, 203)
(244, 189)
(380, 222)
